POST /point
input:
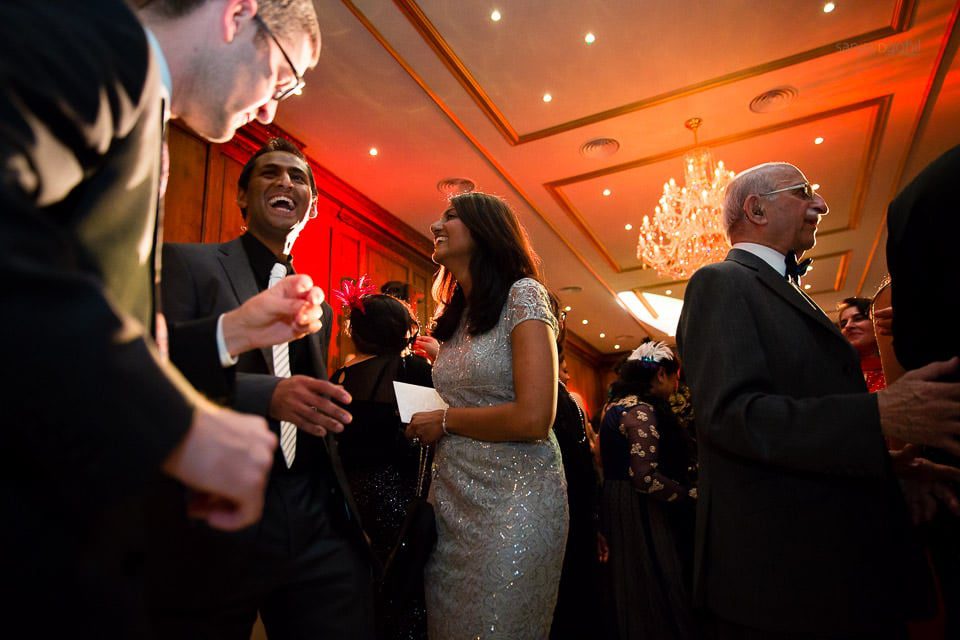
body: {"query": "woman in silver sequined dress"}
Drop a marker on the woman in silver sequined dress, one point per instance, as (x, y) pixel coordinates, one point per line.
(498, 484)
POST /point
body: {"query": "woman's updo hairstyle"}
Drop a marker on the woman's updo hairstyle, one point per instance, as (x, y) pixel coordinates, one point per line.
(381, 327)
(637, 372)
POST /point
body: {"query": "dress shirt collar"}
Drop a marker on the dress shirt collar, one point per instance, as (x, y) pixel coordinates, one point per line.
(772, 257)
(261, 259)
(165, 76)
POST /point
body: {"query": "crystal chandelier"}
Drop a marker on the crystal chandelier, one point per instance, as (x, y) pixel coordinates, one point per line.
(686, 231)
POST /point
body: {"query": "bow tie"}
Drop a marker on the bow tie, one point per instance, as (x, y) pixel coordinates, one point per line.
(796, 270)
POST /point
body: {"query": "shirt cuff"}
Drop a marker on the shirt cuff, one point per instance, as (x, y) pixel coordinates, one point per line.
(226, 360)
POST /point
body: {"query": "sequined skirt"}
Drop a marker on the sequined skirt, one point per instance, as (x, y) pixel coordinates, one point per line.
(502, 526)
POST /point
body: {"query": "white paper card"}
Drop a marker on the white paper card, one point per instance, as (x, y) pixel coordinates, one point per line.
(412, 398)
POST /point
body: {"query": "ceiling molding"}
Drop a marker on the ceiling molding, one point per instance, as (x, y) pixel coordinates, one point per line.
(583, 349)
(487, 155)
(899, 22)
(880, 104)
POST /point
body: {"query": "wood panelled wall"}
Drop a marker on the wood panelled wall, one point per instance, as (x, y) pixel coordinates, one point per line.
(350, 236)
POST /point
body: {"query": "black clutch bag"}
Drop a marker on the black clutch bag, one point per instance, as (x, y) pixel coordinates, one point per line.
(403, 571)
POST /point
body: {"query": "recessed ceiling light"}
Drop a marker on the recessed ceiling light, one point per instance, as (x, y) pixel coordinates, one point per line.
(374, 151)
(495, 15)
(585, 321)
(628, 226)
(568, 308)
(616, 346)
(547, 97)
(603, 335)
(818, 140)
(806, 286)
(607, 192)
(816, 187)
(828, 7)
(669, 292)
(590, 38)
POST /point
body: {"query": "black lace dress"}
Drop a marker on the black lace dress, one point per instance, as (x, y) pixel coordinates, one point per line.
(647, 514)
(579, 578)
(381, 466)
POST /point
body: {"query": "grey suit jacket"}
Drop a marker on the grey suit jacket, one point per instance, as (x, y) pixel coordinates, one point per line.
(800, 523)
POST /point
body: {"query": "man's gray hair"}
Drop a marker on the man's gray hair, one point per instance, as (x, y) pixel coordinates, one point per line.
(748, 182)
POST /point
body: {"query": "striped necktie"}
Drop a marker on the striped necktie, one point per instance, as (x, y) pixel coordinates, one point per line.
(281, 369)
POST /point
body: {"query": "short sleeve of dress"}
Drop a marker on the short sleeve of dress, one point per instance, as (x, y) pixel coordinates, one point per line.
(528, 300)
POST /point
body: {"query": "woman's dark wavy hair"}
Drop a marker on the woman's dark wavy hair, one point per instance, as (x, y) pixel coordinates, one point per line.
(502, 255)
(634, 378)
(381, 328)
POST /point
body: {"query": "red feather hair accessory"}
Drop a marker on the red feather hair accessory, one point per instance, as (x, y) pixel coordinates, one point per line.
(351, 293)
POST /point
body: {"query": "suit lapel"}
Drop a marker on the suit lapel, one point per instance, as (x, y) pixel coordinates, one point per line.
(236, 265)
(781, 287)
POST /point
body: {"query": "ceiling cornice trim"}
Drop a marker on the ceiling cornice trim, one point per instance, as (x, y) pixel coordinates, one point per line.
(496, 166)
(900, 20)
(881, 104)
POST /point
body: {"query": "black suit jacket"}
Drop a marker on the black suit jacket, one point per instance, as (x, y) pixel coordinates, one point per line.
(800, 523)
(193, 562)
(89, 410)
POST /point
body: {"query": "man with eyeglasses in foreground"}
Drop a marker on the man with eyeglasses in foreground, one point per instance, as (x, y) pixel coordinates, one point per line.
(802, 531)
(93, 413)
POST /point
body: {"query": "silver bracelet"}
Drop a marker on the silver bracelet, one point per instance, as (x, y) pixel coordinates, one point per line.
(443, 424)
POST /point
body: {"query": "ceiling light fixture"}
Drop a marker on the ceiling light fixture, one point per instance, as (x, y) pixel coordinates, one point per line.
(589, 38)
(669, 292)
(607, 192)
(806, 287)
(829, 7)
(617, 347)
(585, 321)
(495, 15)
(816, 187)
(686, 231)
(568, 308)
(374, 151)
(603, 335)
(818, 140)
(628, 226)
(547, 97)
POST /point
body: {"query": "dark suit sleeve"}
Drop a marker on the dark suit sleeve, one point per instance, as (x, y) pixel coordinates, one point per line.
(923, 224)
(736, 407)
(193, 341)
(86, 398)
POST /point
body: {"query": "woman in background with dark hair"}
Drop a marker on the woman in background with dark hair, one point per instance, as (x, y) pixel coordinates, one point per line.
(647, 504)
(498, 485)
(381, 465)
(853, 318)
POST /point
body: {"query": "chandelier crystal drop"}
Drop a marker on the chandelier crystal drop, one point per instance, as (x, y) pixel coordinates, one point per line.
(686, 230)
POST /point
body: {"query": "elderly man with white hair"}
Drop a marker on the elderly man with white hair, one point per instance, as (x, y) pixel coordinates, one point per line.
(802, 531)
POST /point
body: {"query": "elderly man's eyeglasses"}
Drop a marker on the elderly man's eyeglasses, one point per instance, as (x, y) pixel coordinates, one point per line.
(297, 87)
(808, 190)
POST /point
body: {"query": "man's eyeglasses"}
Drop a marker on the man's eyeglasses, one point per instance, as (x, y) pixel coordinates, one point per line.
(808, 190)
(297, 87)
